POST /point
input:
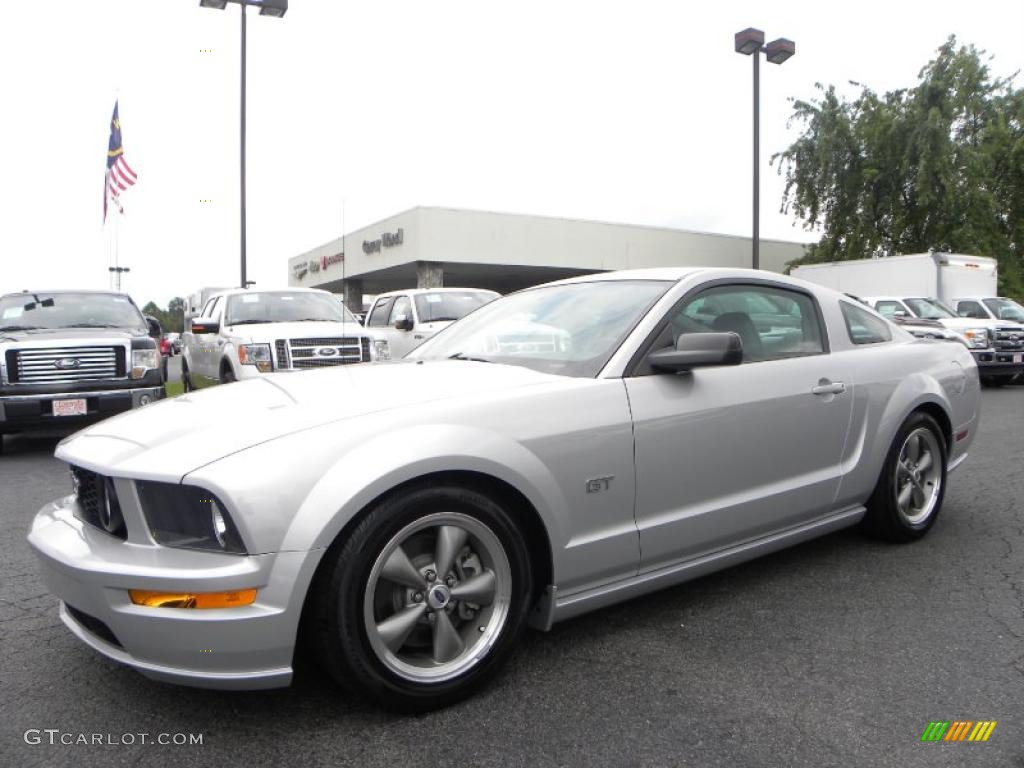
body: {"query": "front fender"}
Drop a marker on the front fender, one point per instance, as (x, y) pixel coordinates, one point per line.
(374, 467)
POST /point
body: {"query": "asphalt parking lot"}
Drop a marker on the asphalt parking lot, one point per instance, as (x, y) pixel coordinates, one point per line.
(835, 653)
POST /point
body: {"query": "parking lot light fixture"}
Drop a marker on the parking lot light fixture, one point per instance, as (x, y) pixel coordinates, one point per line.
(275, 8)
(750, 42)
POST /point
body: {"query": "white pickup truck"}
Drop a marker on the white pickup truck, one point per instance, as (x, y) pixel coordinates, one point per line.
(410, 317)
(243, 334)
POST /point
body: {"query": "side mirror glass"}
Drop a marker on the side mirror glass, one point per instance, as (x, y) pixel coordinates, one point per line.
(694, 350)
(403, 323)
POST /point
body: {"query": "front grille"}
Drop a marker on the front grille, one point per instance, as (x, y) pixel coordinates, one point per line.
(94, 625)
(91, 490)
(281, 348)
(310, 353)
(1009, 338)
(63, 365)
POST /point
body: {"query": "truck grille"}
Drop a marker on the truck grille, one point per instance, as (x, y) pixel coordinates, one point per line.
(1009, 338)
(59, 365)
(321, 352)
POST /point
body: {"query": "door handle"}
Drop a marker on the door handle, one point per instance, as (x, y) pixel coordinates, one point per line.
(826, 387)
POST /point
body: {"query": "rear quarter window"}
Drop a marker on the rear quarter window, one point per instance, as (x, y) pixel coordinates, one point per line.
(863, 327)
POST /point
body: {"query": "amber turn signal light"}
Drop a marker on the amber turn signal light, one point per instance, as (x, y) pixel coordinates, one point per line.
(231, 599)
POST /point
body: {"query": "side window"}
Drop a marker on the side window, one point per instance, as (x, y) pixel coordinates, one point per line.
(772, 323)
(402, 306)
(890, 308)
(379, 314)
(213, 307)
(971, 309)
(209, 307)
(863, 327)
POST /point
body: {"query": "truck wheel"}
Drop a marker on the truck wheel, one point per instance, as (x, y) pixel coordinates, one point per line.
(227, 374)
(424, 600)
(995, 381)
(909, 494)
(186, 377)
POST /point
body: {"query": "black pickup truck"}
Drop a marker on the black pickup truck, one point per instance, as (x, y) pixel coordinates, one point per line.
(69, 358)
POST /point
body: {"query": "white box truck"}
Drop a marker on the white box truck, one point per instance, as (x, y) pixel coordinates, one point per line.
(925, 285)
(942, 276)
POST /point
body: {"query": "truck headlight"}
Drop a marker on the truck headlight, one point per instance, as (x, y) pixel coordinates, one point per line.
(144, 360)
(381, 349)
(977, 338)
(256, 354)
(187, 516)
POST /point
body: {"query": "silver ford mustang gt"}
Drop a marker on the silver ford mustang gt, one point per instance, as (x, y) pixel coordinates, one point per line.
(558, 450)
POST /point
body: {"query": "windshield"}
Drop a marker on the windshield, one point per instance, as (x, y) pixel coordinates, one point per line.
(450, 305)
(571, 329)
(28, 311)
(1006, 309)
(285, 307)
(929, 309)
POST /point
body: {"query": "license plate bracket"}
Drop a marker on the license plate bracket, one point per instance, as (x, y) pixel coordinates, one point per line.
(75, 407)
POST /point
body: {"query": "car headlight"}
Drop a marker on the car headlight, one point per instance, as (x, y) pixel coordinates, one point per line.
(977, 338)
(954, 336)
(144, 360)
(256, 354)
(381, 349)
(189, 517)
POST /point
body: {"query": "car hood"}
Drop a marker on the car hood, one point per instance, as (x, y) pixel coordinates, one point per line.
(269, 332)
(959, 323)
(168, 439)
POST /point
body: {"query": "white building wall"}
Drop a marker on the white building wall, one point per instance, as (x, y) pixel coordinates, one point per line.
(460, 236)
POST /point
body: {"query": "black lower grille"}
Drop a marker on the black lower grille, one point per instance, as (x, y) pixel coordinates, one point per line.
(94, 625)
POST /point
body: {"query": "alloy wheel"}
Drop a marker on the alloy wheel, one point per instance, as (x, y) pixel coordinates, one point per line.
(437, 597)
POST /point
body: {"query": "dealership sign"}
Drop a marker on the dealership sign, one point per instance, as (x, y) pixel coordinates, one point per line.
(387, 240)
(315, 265)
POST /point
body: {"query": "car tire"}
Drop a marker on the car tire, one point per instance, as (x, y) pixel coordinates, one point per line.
(995, 381)
(386, 623)
(227, 374)
(186, 377)
(909, 494)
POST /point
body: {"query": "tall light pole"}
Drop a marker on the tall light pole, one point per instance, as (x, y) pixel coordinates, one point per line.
(276, 8)
(118, 271)
(750, 42)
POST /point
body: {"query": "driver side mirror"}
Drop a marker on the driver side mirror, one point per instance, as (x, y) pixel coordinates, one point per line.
(694, 350)
(205, 325)
(403, 323)
(155, 331)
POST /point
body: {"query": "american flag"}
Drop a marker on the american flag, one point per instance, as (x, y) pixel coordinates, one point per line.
(119, 175)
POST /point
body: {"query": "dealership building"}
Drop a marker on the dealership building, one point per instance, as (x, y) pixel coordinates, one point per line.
(433, 247)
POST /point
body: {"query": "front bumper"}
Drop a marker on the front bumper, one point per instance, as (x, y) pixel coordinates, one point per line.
(35, 411)
(247, 647)
(996, 362)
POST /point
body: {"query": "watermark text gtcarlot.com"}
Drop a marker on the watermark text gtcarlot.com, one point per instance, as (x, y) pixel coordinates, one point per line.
(53, 736)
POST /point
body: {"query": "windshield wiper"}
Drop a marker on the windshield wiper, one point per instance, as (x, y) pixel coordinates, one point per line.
(440, 319)
(461, 356)
(249, 322)
(19, 328)
(94, 325)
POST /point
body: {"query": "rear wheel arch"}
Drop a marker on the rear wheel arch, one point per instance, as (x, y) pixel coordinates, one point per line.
(940, 415)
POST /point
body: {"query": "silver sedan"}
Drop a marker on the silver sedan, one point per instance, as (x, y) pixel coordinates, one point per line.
(558, 450)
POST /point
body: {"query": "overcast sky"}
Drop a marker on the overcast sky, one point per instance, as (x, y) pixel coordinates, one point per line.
(636, 112)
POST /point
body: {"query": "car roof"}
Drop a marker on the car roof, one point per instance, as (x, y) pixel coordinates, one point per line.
(420, 291)
(94, 291)
(250, 291)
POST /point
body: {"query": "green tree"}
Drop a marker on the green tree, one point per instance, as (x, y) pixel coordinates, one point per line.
(936, 166)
